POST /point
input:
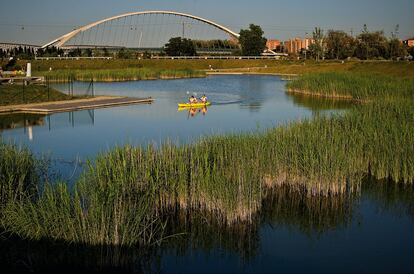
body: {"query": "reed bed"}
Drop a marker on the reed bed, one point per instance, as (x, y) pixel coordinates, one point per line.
(353, 86)
(118, 199)
(18, 175)
(121, 196)
(116, 75)
(104, 208)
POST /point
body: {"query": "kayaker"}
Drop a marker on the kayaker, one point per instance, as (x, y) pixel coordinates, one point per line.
(204, 99)
(193, 100)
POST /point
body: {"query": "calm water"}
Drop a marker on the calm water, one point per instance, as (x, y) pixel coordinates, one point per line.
(372, 233)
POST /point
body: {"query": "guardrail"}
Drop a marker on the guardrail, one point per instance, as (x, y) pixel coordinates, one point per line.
(220, 57)
(71, 58)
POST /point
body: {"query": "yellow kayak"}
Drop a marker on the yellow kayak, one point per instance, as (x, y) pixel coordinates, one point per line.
(196, 105)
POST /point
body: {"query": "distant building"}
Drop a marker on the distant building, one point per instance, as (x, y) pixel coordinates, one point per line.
(273, 44)
(409, 42)
(297, 44)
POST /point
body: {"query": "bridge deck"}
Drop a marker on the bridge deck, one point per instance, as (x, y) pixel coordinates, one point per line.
(72, 105)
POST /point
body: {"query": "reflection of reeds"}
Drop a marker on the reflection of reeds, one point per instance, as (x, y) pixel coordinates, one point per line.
(310, 214)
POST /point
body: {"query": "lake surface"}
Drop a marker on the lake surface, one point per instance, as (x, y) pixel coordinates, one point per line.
(370, 233)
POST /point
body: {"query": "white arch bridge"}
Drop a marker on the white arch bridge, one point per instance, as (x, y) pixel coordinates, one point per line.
(149, 30)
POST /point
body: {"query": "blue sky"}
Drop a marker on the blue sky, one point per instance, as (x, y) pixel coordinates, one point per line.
(38, 21)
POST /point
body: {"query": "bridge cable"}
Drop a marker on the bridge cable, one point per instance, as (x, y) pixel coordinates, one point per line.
(135, 34)
(123, 31)
(128, 32)
(115, 31)
(96, 36)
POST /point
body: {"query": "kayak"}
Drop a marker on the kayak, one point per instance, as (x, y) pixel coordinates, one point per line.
(196, 105)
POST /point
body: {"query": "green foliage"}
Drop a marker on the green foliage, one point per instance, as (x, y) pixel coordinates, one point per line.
(50, 52)
(371, 45)
(397, 49)
(252, 41)
(11, 65)
(410, 51)
(368, 45)
(215, 44)
(178, 46)
(339, 45)
(317, 48)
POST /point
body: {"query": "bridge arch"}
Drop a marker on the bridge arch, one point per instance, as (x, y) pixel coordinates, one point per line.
(60, 41)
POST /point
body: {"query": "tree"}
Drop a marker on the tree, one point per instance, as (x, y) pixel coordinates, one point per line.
(411, 51)
(397, 49)
(252, 41)
(178, 46)
(339, 45)
(372, 45)
(317, 48)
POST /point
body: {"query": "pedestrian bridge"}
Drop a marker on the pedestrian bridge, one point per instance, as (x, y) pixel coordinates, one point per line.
(148, 30)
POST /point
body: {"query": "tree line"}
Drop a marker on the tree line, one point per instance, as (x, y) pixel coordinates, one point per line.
(368, 45)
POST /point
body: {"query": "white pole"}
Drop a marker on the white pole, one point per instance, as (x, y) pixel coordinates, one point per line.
(29, 70)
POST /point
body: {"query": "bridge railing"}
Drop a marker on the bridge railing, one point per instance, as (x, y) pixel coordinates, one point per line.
(277, 57)
(71, 58)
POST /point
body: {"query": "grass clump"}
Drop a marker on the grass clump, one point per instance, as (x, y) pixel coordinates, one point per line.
(18, 175)
(125, 74)
(18, 94)
(353, 86)
(105, 207)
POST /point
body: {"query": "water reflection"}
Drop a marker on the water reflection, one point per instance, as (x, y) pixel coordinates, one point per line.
(292, 226)
(51, 122)
(44, 256)
(22, 120)
(318, 105)
(193, 112)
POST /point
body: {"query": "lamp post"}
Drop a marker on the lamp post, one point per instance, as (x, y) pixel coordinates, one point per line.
(306, 46)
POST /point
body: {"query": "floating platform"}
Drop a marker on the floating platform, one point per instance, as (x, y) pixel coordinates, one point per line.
(73, 105)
